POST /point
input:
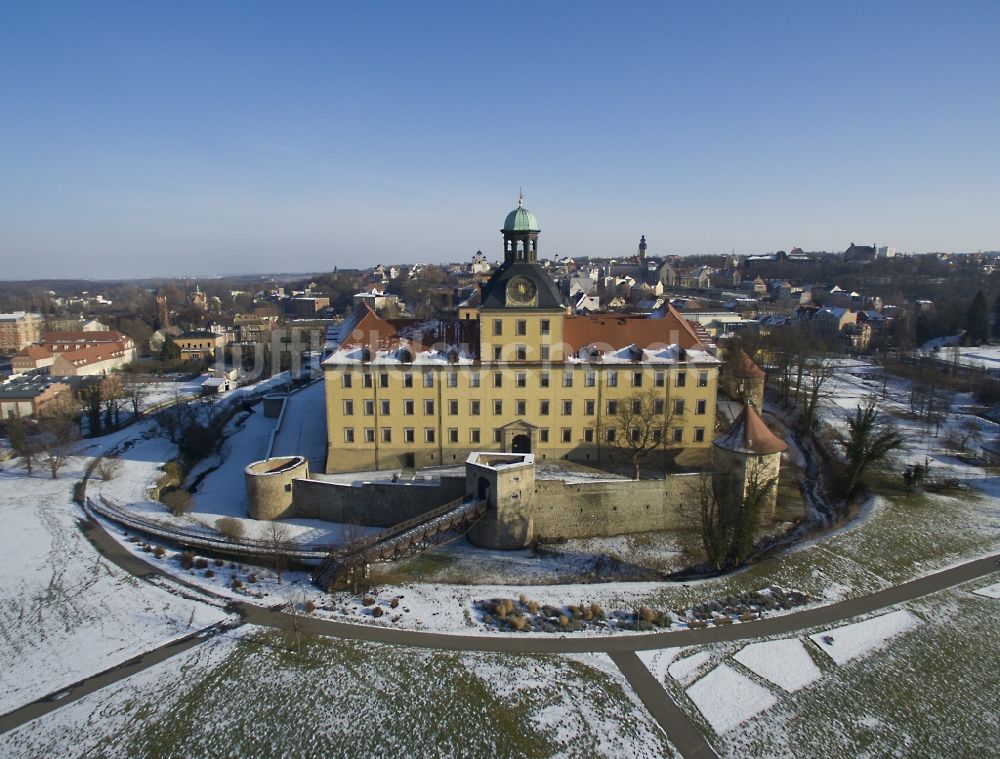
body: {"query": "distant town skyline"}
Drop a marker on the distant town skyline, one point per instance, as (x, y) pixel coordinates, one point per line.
(142, 139)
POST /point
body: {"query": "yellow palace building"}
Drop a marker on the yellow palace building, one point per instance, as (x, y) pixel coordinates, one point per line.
(521, 375)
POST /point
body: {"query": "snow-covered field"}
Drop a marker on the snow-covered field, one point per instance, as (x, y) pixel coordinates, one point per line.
(726, 698)
(65, 612)
(251, 693)
(857, 640)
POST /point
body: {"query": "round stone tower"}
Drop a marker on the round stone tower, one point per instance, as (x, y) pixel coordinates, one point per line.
(748, 457)
(269, 486)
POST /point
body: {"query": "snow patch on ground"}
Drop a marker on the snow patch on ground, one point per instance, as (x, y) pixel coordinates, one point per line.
(990, 591)
(786, 663)
(684, 670)
(726, 698)
(855, 641)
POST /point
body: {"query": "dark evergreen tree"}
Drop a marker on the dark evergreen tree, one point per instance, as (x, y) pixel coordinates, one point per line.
(977, 322)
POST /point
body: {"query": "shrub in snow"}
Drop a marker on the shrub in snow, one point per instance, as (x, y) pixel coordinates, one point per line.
(309, 607)
(645, 614)
(147, 547)
(252, 578)
(367, 600)
(178, 501)
(209, 573)
(533, 607)
(187, 560)
(201, 563)
(394, 603)
(563, 620)
(519, 622)
(377, 611)
(231, 527)
(597, 611)
(158, 552)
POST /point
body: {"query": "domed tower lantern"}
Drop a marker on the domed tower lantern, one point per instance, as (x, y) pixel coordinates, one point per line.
(520, 234)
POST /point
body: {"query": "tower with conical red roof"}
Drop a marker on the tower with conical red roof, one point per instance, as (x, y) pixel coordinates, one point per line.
(748, 458)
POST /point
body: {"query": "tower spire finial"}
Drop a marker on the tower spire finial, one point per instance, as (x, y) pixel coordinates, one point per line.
(520, 197)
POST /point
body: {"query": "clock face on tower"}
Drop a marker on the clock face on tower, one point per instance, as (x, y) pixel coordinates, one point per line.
(521, 291)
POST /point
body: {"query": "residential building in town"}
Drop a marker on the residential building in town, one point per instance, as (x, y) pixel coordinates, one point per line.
(31, 358)
(19, 329)
(96, 359)
(24, 397)
(524, 375)
(196, 345)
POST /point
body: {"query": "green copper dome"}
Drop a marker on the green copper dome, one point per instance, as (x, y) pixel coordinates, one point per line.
(520, 219)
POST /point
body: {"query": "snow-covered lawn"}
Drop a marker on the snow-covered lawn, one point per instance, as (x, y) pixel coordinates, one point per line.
(65, 612)
(251, 693)
(786, 663)
(854, 641)
(684, 670)
(726, 698)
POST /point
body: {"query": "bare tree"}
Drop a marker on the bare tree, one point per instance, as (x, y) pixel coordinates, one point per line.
(24, 441)
(730, 509)
(57, 433)
(113, 396)
(174, 419)
(639, 426)
(134, 392)
(278, 541)
(819, 373)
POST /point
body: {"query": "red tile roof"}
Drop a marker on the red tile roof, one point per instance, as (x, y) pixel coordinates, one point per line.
(750, 434)
(618, 332)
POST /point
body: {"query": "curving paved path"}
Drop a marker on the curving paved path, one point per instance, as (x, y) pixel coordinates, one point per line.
(621, 648)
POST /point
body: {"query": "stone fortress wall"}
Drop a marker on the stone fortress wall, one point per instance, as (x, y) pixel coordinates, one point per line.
(522, 509)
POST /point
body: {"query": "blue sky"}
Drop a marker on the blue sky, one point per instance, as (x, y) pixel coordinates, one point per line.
(200, 138)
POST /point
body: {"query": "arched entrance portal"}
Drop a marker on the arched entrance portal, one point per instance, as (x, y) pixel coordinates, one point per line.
(520, 444)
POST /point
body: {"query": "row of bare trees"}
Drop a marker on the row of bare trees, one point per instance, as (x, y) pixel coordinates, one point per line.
(46, 441)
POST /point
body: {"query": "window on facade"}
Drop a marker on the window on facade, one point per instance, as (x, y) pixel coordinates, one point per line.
(543, 408)
(383, 380)
(543, 435)
(453, 407)
(407, 380)
(473, 436)
(387, 434)
(369, 434)
(429, 435)
(610, 434)
(636, 379)
(473, 379)
(520, 407)
(348, 434)
(613, 378)
(428, 379)
(658, 406)
(369, 408)
(522, 379)
(567, 408)
(702, 379)
(544, 326)
(681, 379)
(659, 379)
(474, 408)
(678, 434)
(635, 433)
(408, 435)
(497, 327)
(700, 407)
(544, 352)
(543, 379)
(699, 435)
(452, 379)
(567, 435)
(568, 378)
(590, 379)
(636, 406)
(384, 408)
(497, 379)
(348, 408)
(679, 407)
(408, 407)
(521, 353)
(368, 380)
(452, 435)
(657, 435)
(497, 407)
(497, 436)
(346, 380)
(612, 408)
(521, 327)
(429, 408)
(589, 407)
(588, 435)
(497, 352)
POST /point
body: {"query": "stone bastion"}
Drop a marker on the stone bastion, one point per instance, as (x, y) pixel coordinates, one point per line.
(270, 486)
